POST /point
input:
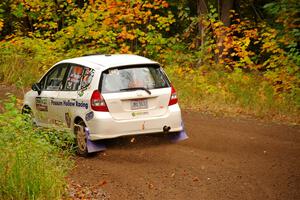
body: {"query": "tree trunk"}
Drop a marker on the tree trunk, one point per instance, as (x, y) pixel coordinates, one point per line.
(202, 7)
(226, 6)
(202, 10)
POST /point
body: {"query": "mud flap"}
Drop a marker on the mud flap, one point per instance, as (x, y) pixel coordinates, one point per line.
(179, 136)
(93, 146)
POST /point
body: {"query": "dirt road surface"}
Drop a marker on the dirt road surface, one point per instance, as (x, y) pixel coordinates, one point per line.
(224, 158)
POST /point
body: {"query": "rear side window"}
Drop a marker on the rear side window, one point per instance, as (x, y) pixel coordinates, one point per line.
(87, 78)
(74, 77)
(147, 76)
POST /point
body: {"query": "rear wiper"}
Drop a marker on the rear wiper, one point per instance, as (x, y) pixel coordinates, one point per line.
(137, 88)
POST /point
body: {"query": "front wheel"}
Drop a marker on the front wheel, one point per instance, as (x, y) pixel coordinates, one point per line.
(81, 139)
(29, 114)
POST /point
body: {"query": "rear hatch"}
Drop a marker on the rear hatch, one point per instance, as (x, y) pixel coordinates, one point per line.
(138, 91)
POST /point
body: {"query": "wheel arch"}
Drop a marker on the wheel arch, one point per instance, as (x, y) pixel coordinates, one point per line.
(77, 119)
(26, 109)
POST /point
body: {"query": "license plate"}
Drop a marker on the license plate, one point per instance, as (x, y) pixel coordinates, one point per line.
(139, 104)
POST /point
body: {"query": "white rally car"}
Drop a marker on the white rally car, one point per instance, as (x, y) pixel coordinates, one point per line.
(108, 95)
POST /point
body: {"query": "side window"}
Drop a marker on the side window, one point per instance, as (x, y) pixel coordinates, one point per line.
(55, 79)
(87, 78)
(74, 77)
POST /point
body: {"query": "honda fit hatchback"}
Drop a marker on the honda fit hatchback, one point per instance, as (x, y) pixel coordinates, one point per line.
(107, 95)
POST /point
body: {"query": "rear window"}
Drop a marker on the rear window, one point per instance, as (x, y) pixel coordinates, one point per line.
(147, 76)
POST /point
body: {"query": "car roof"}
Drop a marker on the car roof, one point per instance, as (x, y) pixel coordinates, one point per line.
(108, 61)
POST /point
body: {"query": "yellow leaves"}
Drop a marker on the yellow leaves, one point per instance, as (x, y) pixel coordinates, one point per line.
(114, 25)
(147, 5)
(148, 12)
(142, 41)
(218, 24)
(179, 71)
(150, 27)
(138, 21)
(124, 49)
(126, 34)
(246, 41)
(192, 45)
(1, 24)
(247, 60)
(158, 48)
(93, 34)
(221, 61)
(107, 21)
(70, 30)
(165, 4)
(130, 36)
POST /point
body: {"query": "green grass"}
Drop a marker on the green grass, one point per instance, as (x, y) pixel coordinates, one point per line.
(32, 164)
(235, 93)
(23, 61)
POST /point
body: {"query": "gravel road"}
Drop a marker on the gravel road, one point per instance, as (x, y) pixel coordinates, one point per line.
(224, 158)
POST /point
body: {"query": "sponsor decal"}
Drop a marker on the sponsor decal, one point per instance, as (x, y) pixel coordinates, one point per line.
(70, 103)
(134, 114)
(41, 104)
(89, 116)
(80, 93)
(56, 122)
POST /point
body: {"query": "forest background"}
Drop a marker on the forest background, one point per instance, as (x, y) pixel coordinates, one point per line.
(224, 57)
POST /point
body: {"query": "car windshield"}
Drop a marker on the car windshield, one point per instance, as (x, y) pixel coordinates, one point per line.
(130, 77)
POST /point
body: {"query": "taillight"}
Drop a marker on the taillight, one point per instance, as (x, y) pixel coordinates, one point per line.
(173, 98)
(97, 102)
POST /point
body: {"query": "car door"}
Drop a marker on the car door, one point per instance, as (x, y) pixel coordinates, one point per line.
(71, 96)
(46, 102)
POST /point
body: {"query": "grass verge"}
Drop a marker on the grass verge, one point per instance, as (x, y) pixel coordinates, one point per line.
(32, 164)
(235, 93)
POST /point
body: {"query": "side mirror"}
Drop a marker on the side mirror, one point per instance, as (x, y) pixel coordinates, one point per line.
(36, 87)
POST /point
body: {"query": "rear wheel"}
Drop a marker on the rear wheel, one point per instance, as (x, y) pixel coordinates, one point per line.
(81, 139)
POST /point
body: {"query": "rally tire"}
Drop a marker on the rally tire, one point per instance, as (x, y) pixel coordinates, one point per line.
(81, 139)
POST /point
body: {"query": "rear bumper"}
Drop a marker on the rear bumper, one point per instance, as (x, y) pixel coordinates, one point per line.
(103, 126)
